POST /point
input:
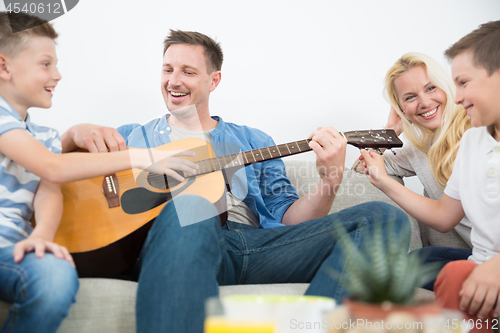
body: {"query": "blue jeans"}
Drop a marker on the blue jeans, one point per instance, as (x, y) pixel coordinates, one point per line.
(443, 255)
(41, 291)
(180, 267)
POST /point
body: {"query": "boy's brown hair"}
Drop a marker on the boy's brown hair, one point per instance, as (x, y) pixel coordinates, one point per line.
(27, 26)
(484, 43)
(213, 51)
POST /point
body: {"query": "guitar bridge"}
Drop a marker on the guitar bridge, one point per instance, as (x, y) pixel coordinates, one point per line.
(110, 189)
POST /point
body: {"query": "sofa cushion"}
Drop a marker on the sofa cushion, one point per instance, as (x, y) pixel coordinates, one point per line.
(102, 305)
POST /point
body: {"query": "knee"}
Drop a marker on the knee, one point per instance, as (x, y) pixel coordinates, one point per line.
(54, 284)
(378, 212)
(453, 274)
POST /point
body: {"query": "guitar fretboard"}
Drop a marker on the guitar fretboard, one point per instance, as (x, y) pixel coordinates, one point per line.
(252, 156)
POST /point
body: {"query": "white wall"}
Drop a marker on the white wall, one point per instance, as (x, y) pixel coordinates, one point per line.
(290, 66)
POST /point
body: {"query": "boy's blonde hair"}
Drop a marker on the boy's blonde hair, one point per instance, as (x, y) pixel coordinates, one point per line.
(484, 43)
(27, 26)
(441, 146)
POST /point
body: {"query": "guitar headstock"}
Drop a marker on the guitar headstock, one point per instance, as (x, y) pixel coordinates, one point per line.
(384, 138)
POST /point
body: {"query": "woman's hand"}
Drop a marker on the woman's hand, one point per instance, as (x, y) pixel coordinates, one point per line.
(394, 122)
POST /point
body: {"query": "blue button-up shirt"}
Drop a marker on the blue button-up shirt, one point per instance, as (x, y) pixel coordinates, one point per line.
(264, 186)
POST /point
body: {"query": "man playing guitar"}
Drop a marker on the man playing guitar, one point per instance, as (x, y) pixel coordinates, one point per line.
(186, 257)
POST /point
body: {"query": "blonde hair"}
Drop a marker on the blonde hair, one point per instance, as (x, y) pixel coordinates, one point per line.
(441, 145)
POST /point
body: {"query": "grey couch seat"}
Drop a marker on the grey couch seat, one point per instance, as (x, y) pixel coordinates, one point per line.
(108, 305)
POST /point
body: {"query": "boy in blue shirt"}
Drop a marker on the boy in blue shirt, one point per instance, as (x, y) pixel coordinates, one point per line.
(37, 275)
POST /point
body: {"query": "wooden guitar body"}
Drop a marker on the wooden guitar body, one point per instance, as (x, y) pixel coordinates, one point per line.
(105, 234)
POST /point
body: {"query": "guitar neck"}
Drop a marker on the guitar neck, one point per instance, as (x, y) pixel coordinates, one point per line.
(361, 139)
(252, 156)
(278, 151)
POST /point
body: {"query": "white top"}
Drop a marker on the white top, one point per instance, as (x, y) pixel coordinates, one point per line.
(410, 161)
(476, 183)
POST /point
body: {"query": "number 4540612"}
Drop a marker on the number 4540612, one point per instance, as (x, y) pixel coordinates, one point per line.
(471, 323)
(34, 8)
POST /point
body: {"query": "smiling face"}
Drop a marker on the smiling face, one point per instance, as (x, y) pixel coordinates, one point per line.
(33, 75)
(478, 92)
(185, 81)
(421, 101)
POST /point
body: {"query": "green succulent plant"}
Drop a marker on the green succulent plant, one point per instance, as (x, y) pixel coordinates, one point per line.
(382, 270)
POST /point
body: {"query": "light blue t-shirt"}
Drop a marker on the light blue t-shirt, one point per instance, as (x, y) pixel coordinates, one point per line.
(17, 185)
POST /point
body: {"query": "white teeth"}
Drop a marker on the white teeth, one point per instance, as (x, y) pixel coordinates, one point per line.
(177, 94)
(49, 89)
(430, 113)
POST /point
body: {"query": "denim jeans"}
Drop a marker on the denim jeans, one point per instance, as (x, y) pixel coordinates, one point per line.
(443, 255)
(180, 267)
(41, 291)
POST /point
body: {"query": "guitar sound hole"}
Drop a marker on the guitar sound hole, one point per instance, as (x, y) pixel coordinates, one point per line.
(162, 182)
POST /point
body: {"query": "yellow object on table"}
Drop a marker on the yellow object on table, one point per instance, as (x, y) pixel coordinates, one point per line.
(223, 325)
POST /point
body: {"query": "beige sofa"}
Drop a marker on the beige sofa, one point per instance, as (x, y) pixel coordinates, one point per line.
(107, 305)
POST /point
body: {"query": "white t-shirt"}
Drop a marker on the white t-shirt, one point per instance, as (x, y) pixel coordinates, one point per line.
(410, 161)
(475, 181)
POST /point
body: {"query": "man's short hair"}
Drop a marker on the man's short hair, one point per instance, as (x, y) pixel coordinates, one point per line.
(213, 51)
(484, 43)
(27, 26)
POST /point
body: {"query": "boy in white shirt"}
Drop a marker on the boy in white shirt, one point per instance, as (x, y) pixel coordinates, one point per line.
(473, 285)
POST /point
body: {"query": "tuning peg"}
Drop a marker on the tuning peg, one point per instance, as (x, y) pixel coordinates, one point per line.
(392, 151)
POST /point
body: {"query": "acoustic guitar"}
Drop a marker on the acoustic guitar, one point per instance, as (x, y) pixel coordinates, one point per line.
(106, 219)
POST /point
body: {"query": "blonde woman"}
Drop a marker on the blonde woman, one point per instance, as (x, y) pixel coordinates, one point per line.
(421, 94)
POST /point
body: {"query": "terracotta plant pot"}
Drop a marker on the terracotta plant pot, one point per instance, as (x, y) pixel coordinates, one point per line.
(373, 311)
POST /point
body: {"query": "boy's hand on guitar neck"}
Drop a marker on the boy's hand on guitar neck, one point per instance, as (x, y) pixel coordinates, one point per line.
(330, 149)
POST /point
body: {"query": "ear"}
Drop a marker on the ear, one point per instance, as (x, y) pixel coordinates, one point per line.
(4, 70)
(215, 80)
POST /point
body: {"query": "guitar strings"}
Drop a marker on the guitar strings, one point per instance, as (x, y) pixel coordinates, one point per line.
(221, 163)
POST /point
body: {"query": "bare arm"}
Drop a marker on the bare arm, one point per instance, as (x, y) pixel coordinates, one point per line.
(62, 168)
(48, 211)
(330, 148)
(442, 215)
(94, 138)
